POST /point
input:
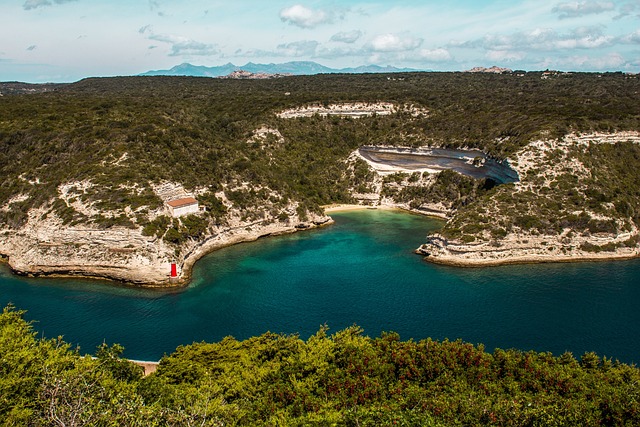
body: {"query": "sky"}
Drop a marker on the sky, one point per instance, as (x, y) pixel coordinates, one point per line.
(67, 40)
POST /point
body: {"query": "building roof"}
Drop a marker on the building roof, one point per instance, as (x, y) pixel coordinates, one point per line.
(178, 203)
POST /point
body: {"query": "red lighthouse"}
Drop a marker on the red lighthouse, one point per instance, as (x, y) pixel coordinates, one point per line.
(174, 270)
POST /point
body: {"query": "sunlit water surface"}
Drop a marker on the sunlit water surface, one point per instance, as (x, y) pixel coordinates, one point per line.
(361, 270)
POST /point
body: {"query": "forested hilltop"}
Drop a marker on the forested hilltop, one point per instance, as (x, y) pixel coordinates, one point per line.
(343, 379)
(84, 164)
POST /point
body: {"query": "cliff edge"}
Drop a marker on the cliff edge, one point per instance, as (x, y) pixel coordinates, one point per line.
(574, 202)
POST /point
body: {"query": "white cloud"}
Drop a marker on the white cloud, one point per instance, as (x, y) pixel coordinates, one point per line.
(435, 55)
(544, 39)
(34, 4)
(297, 49)
(586, 42)
(303, 48)
(577, 9)
(628, 9)
(505, 55)
(633, 38)
(613, 60)
(304, 17)
(181, 46)
(340, 51)
(607, 62)
(584, 38)
(347, 37)
(394, 43)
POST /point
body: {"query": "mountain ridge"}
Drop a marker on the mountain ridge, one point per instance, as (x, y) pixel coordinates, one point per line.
(292, 67)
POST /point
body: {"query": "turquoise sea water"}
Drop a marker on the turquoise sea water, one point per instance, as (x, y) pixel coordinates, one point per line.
(361, 270)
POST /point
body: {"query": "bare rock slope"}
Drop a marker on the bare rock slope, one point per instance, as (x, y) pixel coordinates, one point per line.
(563, 209)
(46, 245)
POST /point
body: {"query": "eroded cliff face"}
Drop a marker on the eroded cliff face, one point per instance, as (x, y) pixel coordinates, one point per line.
(559, 211)
(45, 245)
(417, 188)
(517, 248)
(352, 109)
(565, 207)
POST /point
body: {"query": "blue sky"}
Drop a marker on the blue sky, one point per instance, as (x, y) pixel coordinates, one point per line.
(66, 40)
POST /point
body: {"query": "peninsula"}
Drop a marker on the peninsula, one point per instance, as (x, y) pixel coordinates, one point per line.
(135, 178)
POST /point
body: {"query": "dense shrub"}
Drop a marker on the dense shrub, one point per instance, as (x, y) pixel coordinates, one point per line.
(123, 134)
(342, 379)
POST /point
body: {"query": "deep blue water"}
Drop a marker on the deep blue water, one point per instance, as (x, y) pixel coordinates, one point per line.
(361, 270)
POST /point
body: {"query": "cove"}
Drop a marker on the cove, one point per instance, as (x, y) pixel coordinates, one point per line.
(361, 270)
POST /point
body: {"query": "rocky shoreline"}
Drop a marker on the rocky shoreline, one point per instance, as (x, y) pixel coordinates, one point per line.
(241, 236)
(516, 249)
(44, 248)
(540, 164)
(521, 249)
(538, 250)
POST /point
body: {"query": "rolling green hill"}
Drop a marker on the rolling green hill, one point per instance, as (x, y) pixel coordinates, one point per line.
(91, 152)
(89, 156)
(195, 130)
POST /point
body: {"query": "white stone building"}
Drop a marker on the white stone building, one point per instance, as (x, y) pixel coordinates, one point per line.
(183, 206)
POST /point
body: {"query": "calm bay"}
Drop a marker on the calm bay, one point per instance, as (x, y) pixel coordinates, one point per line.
(361, 270)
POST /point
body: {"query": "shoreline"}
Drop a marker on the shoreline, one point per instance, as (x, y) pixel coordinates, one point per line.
(120, 276)
(346, 207)
(514, 259)
(130, 277)
(524, 260)
(210, 245)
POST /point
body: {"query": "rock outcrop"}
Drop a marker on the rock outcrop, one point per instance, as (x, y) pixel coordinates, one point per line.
(523, 248)
(552, 171)
(352, 109)
(47, 247)
(493, 70)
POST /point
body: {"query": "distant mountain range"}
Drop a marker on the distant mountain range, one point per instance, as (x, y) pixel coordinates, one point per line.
(293, 68)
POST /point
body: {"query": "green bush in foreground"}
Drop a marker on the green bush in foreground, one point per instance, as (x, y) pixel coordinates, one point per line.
(280, 380)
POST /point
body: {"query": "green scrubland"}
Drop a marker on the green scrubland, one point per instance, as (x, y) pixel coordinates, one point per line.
(339, 379)
(125, 134)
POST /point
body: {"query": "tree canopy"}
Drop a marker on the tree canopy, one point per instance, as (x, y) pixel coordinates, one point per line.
(344, 379)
